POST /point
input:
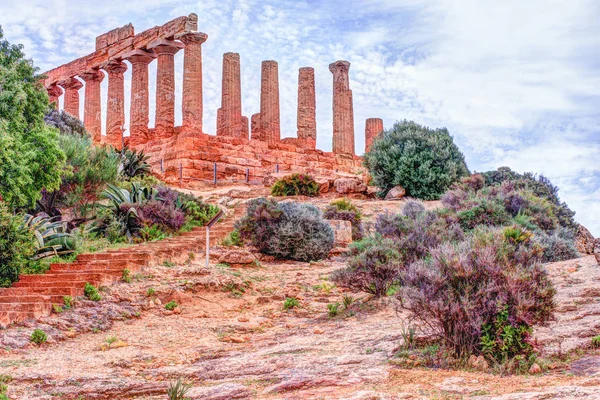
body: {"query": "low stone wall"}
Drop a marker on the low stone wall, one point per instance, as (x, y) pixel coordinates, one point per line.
(196, 154)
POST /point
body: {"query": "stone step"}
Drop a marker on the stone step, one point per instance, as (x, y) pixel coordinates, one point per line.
(32, 298)
(68, 275)
(12, 317)
(56, 284)
(36, 308)
(59, 290)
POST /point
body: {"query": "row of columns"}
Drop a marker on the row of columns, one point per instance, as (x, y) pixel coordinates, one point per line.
(163, 51)
(265, 125)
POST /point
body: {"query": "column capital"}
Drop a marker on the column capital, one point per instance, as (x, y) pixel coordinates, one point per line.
(115, 67)
(192, 37)
(339, 66)
(54, 90)
(164, 46)
(140, 56)
(71, 83)
(92, 75)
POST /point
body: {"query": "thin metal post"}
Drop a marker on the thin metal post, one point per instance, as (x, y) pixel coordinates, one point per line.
(181, 171)
(162, 165)
(215, 173)
(207, 245)
(277, 168)
(247, 175)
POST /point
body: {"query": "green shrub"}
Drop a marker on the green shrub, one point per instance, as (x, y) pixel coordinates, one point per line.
(233, 238)
(286, 230)
(68, 301)
(134, 163)
(38, 337)
(126, 276)
(332, 309)
(91, 292)
(17, 246)
(413, 208)
(150, 292)
(171, 305)
(423, 161)
(152, 233)
(295, 185)
(290, 302)
(482, 295)
(596, 342)
(30, 158)
(375, 269)
(177, 390)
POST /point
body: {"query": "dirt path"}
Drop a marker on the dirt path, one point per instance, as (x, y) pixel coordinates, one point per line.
(231, 338)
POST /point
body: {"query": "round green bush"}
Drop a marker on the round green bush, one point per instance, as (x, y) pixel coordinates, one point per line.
(295, 185)
(292, 231)
(423, 161)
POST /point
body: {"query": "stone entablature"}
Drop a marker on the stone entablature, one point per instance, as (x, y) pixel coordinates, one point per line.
(238, 144)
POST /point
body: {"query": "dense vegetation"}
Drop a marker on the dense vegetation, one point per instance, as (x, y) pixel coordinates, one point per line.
(423, 161)
(344, 210)
(295, 185)
(292, 231)
(60, 194)
(471, 272)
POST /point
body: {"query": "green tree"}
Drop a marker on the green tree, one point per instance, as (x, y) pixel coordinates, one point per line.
(16, 246)
(30, 158)
(423, 161)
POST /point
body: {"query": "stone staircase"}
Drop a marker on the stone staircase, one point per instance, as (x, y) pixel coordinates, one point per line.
(33, 295)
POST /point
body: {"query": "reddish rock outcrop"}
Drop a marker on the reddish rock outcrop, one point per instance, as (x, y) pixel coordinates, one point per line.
(373, 127)
(307, 106)
(115, 113)
(343, 112)
(92, 113)
(71, 103)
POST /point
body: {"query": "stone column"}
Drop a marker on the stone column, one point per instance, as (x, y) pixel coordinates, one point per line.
(71, 104)
(115, 107)
(192, 81)
(255, 127)
(373, 127)
(92, 113)
(269, 101)
(54, 92)
(139, 105)
(229, 116)
(164, 121)
(343, 113)
(307, 120)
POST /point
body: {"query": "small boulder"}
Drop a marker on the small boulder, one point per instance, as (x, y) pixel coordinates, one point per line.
(597, 250)
(349, 185)
(323, 185)
(584, 241)
(395, 193)
(342, 231)
(237, 257)
(535, 369)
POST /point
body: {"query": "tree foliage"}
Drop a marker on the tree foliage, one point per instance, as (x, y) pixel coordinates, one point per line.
(423, 161)
(31, 159)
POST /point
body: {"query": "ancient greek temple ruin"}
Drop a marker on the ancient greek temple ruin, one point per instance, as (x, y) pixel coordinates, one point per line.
(241, 145)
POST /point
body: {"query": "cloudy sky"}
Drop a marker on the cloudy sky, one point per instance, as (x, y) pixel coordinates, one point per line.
(516, 82)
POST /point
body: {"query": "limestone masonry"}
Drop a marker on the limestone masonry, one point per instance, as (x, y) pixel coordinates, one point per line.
(241, 149)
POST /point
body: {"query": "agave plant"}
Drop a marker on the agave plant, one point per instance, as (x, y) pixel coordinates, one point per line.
(51, 236)
(134, 163)
(123, 203)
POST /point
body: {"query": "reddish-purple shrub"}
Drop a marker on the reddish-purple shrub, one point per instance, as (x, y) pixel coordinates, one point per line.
(165, 215)
(344, 210)
(373, 270)
(463, 289)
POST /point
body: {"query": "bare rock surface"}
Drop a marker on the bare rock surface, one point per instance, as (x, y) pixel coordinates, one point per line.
(395, 193)
(231, 338)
